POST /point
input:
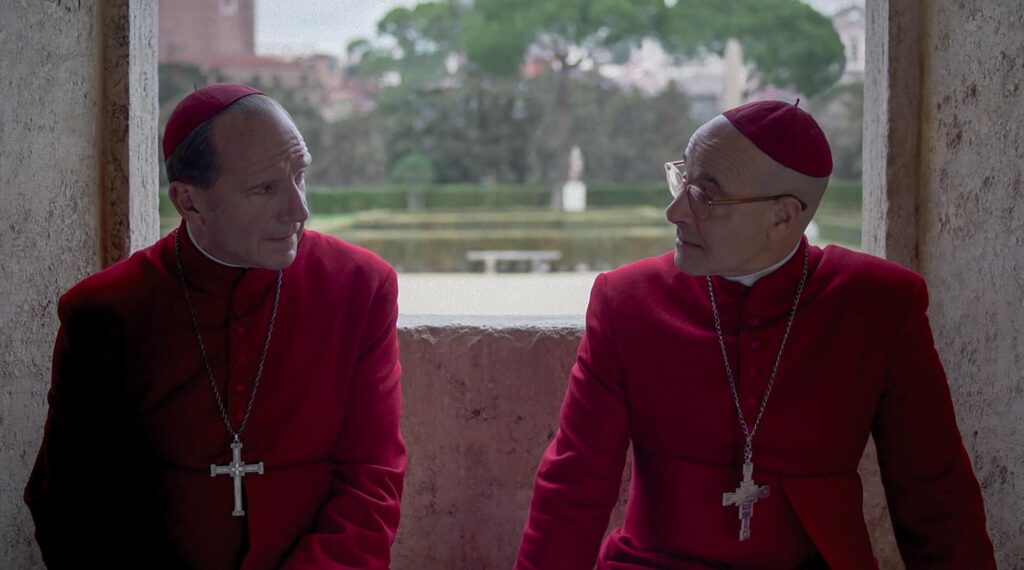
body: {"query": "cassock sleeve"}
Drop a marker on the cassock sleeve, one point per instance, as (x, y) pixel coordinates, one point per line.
(357, 525)
(934, 499)
(83, 487)
(578, 479)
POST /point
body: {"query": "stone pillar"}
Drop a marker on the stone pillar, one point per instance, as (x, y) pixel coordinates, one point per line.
(892, 100)
(78, 126)
(944, 195)
(130, 110)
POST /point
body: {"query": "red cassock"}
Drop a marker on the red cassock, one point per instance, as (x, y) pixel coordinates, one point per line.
(123, 476)
(860, 361)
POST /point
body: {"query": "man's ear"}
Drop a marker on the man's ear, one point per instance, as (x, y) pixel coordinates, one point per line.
(785, 216)
(184, 197)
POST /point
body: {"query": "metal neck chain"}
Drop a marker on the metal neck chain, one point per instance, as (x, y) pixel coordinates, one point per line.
(202, 347)
(749, 433)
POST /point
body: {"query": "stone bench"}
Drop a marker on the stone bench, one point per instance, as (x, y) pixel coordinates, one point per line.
(491, 257)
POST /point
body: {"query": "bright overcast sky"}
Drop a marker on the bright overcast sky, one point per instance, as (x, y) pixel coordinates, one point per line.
(294, 27)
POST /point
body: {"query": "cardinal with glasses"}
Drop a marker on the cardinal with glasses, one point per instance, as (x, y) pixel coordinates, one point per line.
(747, 369)
(229, 396)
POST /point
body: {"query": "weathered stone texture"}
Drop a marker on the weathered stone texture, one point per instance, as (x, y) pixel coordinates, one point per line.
(49, 226)
(944, 129)
(482, 397)
(130, 174)
(77, 162)
(971, 239)
(892, 94)
(476, 431)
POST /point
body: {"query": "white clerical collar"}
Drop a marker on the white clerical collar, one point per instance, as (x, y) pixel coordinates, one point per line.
(188, 230)
(752, 278)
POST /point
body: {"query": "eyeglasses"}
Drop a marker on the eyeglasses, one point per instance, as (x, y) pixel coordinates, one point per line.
(698, 198)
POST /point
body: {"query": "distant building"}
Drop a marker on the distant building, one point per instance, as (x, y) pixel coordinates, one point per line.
(202, 31)
(218, 37)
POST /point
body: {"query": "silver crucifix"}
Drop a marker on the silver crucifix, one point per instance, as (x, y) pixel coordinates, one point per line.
(744, 497)
(237, 469)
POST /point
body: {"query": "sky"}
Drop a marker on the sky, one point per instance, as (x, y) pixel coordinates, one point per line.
(294, 27)
(299, 27)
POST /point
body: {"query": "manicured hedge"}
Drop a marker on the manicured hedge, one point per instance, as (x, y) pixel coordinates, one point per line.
(323, 200)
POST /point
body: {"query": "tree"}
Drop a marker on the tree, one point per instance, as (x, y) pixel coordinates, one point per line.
(349, 152)
(498, 34)
(840, 111)
(416, 44)
(478, 131)
(787, 42)
(414, 172)
(175, 80)
(625, 135)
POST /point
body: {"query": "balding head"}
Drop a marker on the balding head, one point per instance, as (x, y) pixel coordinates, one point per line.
(740, 236)
(720, 142)
(247, 206)
(195, 159)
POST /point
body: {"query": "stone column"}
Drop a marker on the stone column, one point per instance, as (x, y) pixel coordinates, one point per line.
(944, 195)
(892, 125)
(130, 172)
(78, 122)
(971, 239)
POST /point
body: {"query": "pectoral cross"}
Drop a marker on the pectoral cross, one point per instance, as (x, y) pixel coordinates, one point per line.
(744, 497)
(237, 469)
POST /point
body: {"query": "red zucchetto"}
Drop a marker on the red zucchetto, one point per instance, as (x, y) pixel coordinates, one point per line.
(786, 133)
(198, 107)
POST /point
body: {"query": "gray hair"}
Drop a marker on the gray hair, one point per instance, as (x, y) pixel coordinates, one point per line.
(195, 160)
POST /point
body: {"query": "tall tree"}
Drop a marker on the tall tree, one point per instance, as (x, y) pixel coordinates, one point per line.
(840, 110)
(416, 43)
(498, 35)
(480, 131)
(625, 135)
(786, 43)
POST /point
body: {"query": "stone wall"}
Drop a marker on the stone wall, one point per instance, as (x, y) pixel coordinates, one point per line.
(481, 404)
(482, 397)
(944, 194)
(78, 173)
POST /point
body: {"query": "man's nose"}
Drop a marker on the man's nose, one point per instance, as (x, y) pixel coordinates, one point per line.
(296, 211)
(679, 211)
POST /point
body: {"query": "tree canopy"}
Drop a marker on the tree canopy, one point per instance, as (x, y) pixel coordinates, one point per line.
(497, 34)
(417, 43)
(482, 120)
(786, 43)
